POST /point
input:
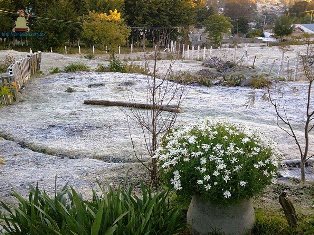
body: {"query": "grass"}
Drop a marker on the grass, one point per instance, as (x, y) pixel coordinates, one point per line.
(188, 78)
(270, 222)
(3, 68)
(76, 67)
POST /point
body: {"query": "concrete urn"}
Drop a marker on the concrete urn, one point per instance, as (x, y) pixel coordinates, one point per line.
(205, 217)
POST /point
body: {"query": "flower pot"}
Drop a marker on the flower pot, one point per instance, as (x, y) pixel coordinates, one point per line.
(205, 217)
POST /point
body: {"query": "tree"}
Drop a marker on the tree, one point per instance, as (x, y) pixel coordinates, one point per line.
(105, 5)
(202, 14)
(216, 25)
(240, 8)
(59, 25)
(285, 124)
(105, 30)
(240, 25)
(156, 122)
(283, 26)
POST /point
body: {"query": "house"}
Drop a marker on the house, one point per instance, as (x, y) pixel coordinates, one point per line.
(303, 28)
(268, 37)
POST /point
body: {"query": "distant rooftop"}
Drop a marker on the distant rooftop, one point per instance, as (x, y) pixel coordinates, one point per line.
(307, 28)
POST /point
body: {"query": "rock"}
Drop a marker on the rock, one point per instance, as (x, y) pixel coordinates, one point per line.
(96, 85)
(70, 90)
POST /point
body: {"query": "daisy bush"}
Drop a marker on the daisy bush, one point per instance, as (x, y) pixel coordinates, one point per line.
(219, 162)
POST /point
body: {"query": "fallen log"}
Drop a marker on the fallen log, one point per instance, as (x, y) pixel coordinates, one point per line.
(167, 108)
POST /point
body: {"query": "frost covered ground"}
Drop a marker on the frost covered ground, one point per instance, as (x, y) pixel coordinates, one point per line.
(51, 132)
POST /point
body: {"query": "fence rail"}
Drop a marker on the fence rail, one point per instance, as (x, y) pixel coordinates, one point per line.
(17, 76)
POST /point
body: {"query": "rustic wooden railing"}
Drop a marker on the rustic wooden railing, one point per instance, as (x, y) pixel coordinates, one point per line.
(17, 76)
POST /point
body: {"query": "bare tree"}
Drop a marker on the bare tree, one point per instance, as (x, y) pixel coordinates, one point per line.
(284, 122)
(157, 121)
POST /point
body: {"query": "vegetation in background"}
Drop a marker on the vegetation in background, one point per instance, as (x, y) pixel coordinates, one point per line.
(269, 222)
(283, 26)
(115, 212)
(75, 67)
(216, 26)
(105, 30)
(55, 70)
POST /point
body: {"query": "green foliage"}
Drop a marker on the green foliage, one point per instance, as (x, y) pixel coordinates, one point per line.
(188, 78)
(101, 68)
(89, 56)
(162, 13)
(6, 95)
(55, 70)
(216, 26)
(236, 9)
(233, 79)
(202, 13)
(132, 68)
(301, 8)
(260, 82)
(272, 222)
(105, 5)
(62, 25)
(283, 26)
(116, 65)
(101, 32)
(116, 212)
(255, 33)
(75, 67)
(3, 68)
(219, 162)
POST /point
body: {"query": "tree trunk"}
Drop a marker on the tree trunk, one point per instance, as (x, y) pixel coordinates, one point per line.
(302, 167)
(168, 108)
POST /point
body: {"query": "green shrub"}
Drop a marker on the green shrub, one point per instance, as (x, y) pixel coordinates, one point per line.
(116, 212)
(76, 67)
(101, 68)
(89, 56)
(116, 65)
(55, 70)
(132, 68)
(260, 82)
(233, 79)
(3, 68)
(6, 95)
(269, 223)
(188, 78)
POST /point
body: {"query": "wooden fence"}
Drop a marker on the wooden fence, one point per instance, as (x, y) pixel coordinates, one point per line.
(17, 76)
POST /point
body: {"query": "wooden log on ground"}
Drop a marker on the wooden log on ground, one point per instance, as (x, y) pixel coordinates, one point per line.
(167, 108)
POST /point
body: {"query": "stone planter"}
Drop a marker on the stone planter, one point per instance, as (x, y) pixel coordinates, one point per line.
(204, 217)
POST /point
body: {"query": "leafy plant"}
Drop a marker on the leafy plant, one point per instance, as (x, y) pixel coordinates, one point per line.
(55, 70)
(101, 68)
(132, 68)
(75, 67)
(6, 95)
(89, 56)
(260, 82)
(115, 212)
(3, 68)
(272, 222)
(116, 65)
(219, 162)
